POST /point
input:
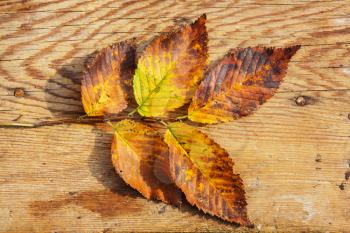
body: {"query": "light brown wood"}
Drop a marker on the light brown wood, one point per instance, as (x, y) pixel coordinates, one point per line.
(293, 159)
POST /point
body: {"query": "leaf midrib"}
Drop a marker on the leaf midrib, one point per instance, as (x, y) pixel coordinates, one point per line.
(125, 141)
(156, 87)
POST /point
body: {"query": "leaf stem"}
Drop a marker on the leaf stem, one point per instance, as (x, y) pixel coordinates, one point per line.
(110, 124)
(82, 117)
(132, 112)
(163, 123)
(10, 124)
(182, 117)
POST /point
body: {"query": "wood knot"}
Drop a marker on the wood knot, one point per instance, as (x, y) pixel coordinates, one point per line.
(300, 101)
(19, 92)
(303, 100)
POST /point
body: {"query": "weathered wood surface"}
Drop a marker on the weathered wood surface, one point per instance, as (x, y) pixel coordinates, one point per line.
(294, 159)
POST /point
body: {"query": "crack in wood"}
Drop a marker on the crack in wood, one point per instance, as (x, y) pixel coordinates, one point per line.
(85, 120)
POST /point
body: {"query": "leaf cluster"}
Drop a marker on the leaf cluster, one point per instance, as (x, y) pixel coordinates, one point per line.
(170, 74)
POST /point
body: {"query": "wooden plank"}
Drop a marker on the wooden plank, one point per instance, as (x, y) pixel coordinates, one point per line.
(293, 159)
(43, 47)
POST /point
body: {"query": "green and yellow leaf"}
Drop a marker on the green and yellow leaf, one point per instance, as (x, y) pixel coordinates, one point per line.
(239, 83)
(203, 171)
(107, 81)
(170, 68)
(141, 158)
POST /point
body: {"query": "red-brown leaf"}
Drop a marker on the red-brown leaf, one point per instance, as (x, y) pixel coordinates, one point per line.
(239, 83)
(203, 171)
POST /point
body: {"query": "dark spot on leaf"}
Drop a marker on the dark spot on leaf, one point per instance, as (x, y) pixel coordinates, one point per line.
(165, 42)
(269, 51)
(269, 82)
(248, 82)
(276, 70)
(261, 99)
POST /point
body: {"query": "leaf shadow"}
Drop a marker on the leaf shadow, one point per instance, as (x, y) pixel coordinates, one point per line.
(101, 167)
(64, 101)
(62, 91)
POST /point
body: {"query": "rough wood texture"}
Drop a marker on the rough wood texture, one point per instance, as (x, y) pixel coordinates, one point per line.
(293, 154)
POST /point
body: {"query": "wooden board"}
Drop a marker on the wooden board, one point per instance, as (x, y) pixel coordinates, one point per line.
(294, 159)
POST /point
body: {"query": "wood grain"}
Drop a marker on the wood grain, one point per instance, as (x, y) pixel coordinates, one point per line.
(292, 157)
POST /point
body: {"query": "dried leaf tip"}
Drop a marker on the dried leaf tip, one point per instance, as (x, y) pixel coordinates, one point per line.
(202, 19)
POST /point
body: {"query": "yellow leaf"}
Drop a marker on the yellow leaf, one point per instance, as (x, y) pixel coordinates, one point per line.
(106, 85)
(141, 158)
(239, 83)
(203, 171)
(170, 69)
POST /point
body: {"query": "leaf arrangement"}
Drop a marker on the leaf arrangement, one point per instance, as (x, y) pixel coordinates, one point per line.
(171, 73)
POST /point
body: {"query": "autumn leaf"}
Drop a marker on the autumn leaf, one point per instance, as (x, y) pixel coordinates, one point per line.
(203, 171)
(141, 158)
(107, 81)
(170, 68)
(241, 81)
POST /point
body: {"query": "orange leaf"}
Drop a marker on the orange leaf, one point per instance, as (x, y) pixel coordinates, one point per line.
(239, 83)
(141, 158)
(203, 171)
(107, 81)
(170, 69)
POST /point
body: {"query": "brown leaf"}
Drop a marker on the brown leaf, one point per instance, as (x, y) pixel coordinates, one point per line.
(141, 158)
(170, 69)
(239, 83)
(203, 171)
(107, 81)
